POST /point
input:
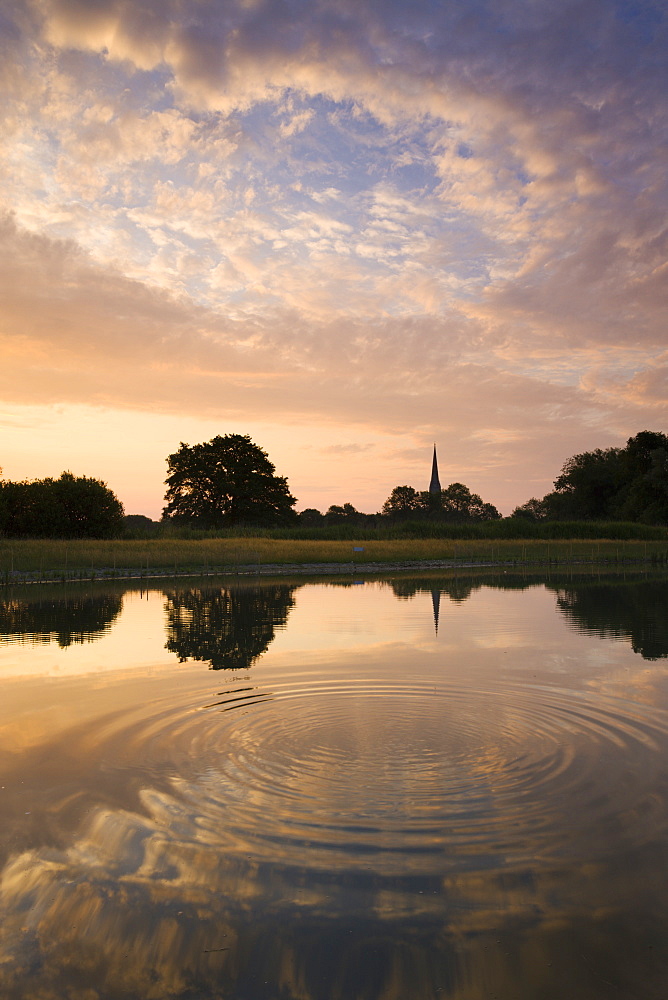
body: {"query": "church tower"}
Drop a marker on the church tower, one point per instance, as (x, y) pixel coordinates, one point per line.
(435, 484)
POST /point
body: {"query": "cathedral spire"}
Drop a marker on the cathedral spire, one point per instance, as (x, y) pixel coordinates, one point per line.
(435, 484)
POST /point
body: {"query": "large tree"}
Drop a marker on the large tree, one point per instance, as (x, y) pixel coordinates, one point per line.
(459, 504)
(69, 507)
(644, 494)
(626, 484)
(224, 482)
(588, 484)
(403, 501)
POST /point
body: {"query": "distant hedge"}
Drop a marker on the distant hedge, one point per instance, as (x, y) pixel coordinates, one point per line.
(506, 528)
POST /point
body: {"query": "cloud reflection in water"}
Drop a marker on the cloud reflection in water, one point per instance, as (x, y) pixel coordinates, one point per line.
(395, 820)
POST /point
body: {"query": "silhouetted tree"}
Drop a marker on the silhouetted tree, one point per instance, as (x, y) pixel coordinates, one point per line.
(532, 510)
(403, 501)
(629, 484)
(69, 507)
(587, 485)
(227, 481)
(459, 504)
(311, 518)
(140, 526)
(644, 493)
(455, 503)
(343, 514)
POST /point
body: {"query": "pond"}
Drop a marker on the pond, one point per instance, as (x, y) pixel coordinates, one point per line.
(400, 788)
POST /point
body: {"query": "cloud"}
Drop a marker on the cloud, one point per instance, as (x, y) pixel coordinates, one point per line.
(346, 449)
(520, 149)
(74, 333)
(448, 217)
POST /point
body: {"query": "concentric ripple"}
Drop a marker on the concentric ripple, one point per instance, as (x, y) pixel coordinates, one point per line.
(407, 777)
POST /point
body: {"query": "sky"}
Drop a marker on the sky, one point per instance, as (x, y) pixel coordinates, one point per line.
(348, 228)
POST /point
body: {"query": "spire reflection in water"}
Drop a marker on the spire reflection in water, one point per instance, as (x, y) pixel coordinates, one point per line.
(356, 807)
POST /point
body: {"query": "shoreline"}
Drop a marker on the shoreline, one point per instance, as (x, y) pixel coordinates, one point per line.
(111, 575)
(40, 561)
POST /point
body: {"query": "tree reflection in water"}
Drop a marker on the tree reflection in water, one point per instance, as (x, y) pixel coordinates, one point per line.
(75, 618)
(230, 627)
(611, 609)
(227, 627)
(431, 831)
(457, 588)
(629, 607)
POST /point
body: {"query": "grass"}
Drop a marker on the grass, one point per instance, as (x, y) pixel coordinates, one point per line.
(379, 530)
(505, 529)
(42, 559)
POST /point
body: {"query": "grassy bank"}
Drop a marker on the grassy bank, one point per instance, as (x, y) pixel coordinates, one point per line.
(379, 529)
(71, 560)
(506, 529)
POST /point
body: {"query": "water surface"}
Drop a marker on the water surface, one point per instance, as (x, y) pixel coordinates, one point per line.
(404, 788)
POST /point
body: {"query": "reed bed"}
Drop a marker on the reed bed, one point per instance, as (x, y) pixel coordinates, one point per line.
(89, 559)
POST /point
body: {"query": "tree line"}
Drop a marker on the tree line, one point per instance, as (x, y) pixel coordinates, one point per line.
(230, 482)
(612, 484)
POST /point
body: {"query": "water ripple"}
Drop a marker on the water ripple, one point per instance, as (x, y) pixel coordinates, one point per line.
(407, 776)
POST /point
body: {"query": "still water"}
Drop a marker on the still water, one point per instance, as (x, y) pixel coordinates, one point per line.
(395, 789)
